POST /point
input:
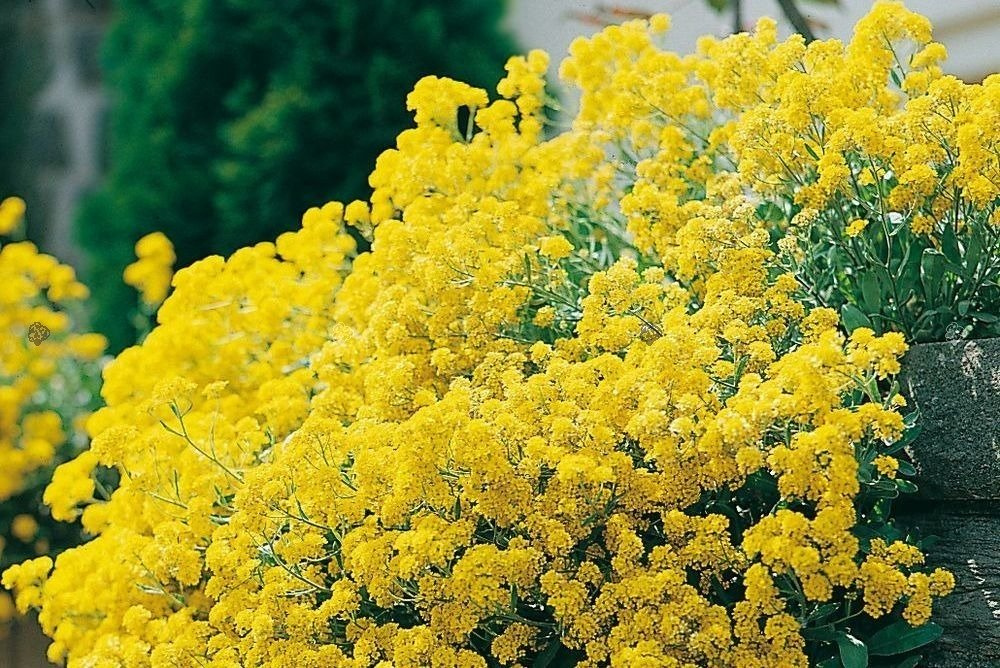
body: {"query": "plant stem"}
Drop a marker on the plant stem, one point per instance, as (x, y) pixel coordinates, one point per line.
(798, 21)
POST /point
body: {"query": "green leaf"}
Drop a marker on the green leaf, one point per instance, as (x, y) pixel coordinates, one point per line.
(909, 275)
(901, 637)
(545, 657)
(825, 633)
(973, 252)
(853, 317)
(824, 611)
(949, 246)
(891, 533)
(927, 543)
(909, 662)
(770, 212)
(871, 292)
(885, 489)
(926, 335)
(896, 447)
(853, 653)
(932, 264)
(963, 306)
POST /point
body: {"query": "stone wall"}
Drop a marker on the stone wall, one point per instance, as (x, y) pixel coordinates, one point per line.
(956, 387)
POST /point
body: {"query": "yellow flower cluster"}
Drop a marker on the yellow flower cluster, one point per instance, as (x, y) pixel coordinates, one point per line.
(43, 360)
(566, 408)
(35, 290)
(150, 274)
(883, 171)
(11, 214)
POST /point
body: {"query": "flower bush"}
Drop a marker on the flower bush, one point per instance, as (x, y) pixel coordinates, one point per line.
(888, 207)
(572, 408)
(48, 381)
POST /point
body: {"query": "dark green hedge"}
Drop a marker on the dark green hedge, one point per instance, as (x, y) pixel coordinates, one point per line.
(231, 117)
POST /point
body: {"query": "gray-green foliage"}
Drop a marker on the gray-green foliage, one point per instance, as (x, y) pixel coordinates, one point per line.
(930, 286)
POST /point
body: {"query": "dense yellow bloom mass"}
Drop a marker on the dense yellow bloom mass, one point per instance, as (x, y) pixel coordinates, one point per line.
(568, 403)
(43, 361)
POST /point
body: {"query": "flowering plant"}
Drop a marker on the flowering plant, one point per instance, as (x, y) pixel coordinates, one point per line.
(569, 409)
(889, 211)
(48, 373)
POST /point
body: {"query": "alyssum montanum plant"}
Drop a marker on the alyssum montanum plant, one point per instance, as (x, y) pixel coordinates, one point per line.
(571, 408)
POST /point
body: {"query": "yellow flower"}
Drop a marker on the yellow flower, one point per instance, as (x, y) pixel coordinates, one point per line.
(24, 527)
(887, 466)
(356, 213)
(555, 247)
(921, 224)
(856, 227)
(659, 23)
(545, 316)
(11, 213)
(152, 272)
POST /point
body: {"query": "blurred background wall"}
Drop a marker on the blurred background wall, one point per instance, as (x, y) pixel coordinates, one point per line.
(53, 137)
(57, 119)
